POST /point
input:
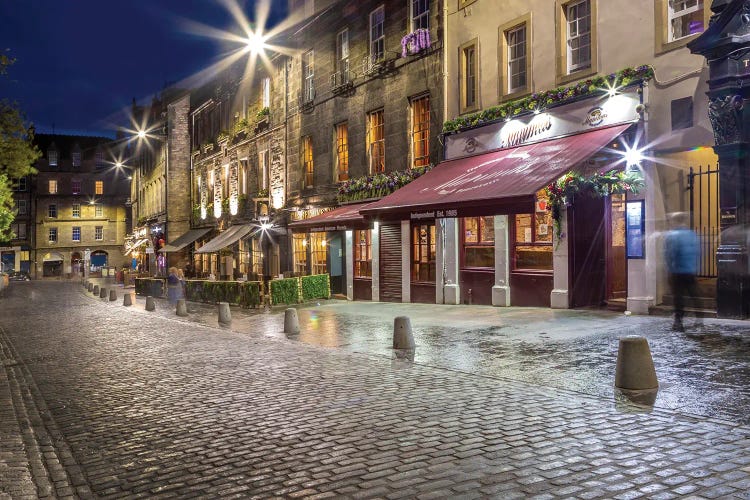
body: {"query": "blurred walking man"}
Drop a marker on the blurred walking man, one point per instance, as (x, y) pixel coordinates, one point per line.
(681, 252)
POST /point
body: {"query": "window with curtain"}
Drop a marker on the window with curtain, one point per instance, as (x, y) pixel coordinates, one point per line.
(363, 253)
(420, 131)
(318, 253)
(377, 34)
(307, 161)
(376, 141)
(342, 152)
(99, 187)
(479, 242)
(423, 266)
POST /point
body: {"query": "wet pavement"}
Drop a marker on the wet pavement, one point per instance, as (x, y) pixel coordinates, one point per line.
(100, 400)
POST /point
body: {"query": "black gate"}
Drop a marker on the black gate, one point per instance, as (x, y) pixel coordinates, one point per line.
(703, 188)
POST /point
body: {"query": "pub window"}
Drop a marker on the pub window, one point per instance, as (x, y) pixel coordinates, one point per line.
(363, 253)
(52, 211)
(420, 14)
(377, 34)
(469, 71)
(299, 251)
(423, 252)
(99, 187)
(533, 237)
(342, 152)
(420, 131)
(52, 235)
(307, 161)
(52, 185)
(479, 242)
(376, 141)
(318, 253)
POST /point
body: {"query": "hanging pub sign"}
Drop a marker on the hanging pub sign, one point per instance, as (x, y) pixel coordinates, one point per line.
(635, 230)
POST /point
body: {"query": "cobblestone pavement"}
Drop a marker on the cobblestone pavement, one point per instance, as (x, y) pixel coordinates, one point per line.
(113, 402)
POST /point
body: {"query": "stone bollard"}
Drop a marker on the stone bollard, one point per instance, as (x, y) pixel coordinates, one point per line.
(225, 315)
(127, 299)
(635, 368)
(96, 290)
(90, 287)
(182, 307)
(103, 293)
(402, 337)
(112, 295)
(150, 304)
(291, 321)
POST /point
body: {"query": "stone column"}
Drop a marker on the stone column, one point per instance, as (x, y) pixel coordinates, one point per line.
(501, 289)
(560, 296)
(405, 261)
(447, 261)
(375, 242)
(349, 261)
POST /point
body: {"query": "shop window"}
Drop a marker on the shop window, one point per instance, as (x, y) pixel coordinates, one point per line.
(515, 60)
(420, 14)
(376, 141)
(423, 252)
(307, 161)
(257, 257)
(533, 237)
(76, 210)
(99, 187)
(299, 251)
(469, 81)
(420, 131)
(318, 253)
(342, 152)
(377, 34)
(363, 253)
(479, 242)
(76, 233)
(52, 186)
(577, 38)
(52, 235)
(52, 211)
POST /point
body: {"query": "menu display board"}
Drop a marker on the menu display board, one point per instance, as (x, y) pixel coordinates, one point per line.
(635, 230)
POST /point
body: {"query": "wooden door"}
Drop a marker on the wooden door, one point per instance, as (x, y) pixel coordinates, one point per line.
(587, 251)
(617, 270)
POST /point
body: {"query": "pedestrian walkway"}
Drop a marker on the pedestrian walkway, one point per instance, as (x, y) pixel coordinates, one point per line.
(152, 405)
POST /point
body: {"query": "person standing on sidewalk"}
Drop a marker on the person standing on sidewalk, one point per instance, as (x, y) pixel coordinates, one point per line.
(681, 252)
(174, 286)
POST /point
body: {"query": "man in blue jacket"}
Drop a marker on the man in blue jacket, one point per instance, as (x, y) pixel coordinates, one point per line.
(681, 252)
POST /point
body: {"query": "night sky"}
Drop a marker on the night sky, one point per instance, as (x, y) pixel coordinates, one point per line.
(80, 63)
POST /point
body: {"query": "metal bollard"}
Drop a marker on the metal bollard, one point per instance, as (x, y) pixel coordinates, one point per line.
(112, 295)
(96, 290)
(127, 299)
(150, 304)
(291, 321)
(90, 286)
(225, 315)
(103, 293)
(635, 367)
(402, 336)
(182, 307)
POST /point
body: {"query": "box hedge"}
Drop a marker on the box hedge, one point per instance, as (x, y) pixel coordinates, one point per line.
(285, 291)
(317, 286)
(242, 293)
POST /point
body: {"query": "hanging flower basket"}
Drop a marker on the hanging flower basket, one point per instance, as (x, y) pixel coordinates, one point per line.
(415, 42)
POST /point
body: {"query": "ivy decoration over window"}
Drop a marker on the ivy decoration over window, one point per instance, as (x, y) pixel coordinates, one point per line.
(562, 191)
(378, 185)
(415, 42)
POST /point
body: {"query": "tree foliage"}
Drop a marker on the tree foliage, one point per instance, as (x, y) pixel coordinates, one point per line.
(17, 154)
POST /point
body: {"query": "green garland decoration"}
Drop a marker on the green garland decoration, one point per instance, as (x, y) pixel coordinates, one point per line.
(561, 95)
(378, 185)
(562, 191)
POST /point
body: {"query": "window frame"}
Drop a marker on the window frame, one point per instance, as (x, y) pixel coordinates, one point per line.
(342, 46)
(98, 187)
(53, 158)
(376, 139)
(416, 251)
(308, 162)
(75, 210)
(377, 44)
(52, 235)
(362, 263)
(563, 75)
(52, 186)
(18, 204)
(264, 169)
(308, 76)
(341, 151)
(422, 15)
(98, 210)
(99, 233)
(75, 158)
(19, 184)
(505, 93)
(420, 121)
(73, 231)
(299, 253)
(662, 24)
(480, 243)
(464, 105)
(265, 95)
(76, 186)
(52, 211)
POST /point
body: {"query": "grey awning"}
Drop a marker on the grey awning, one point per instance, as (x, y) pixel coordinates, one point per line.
(226, 238)
(184, 240)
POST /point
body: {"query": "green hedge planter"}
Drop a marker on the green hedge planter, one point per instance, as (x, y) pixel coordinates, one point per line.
(285, 291)
(153, 287)
(317, 286)
(243, 293)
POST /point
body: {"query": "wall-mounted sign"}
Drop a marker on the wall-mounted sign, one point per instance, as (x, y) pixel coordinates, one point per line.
(635, 230)
(433, 214)
(306, 213)
(728, 216)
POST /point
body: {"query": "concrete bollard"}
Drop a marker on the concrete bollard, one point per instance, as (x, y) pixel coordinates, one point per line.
(402, 337)
(127, 299)
(182, 307)
(90, 287)
(291, 321)
(112, 295)
(103, 293)
(150, 304)
(225, 315)
(635, 367)
(96, 290)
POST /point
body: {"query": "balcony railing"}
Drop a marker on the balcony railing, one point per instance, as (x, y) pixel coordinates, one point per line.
(341, 81)
(372, 66)
(307, 97)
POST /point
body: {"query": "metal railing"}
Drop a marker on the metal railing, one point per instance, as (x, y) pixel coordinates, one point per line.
(703, 187)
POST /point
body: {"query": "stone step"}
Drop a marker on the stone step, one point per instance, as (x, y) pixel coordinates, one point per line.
(665, 310)
(702, 302)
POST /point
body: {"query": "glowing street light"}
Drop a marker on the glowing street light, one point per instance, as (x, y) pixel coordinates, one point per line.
(256, 43)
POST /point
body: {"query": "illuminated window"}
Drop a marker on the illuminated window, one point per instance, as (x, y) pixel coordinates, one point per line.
(76, 233)
(342, 56)
(342, 152)
(685, 18)
(363, 253)
(266, 92)
(420, 131)
(76, 210)
(52, 211)
(578, 21)
(308, 75)
(533, 237)
(75, 186)
(376, 141)
(257, 256)
(98, 210)
(307, 161)
(420, 14)
(99, 233)
(423, 252)
(318, 253)
(479, 242)
(99, 187)
(52, 235)
(469, 83)
(299, 251)
(377, 34)
(52, 186)
(264, 166)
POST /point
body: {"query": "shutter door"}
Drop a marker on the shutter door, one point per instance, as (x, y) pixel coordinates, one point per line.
(390, 263)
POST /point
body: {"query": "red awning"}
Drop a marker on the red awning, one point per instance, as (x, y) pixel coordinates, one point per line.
(501, 182)
(338, 219)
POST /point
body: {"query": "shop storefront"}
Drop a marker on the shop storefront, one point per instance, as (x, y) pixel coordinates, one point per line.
(480, 227)
(220, 256)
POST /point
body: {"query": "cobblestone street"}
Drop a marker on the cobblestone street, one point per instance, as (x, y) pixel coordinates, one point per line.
(99, 400)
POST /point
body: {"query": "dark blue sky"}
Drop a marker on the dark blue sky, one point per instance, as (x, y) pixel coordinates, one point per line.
(80, 62)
